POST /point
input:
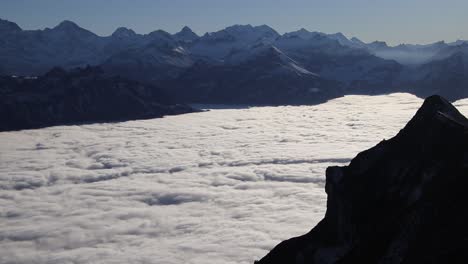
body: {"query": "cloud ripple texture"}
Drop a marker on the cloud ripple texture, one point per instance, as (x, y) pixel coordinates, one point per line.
(222, 186)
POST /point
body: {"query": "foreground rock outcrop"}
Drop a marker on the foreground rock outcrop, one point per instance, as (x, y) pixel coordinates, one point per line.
(402, 201)
(79, 96)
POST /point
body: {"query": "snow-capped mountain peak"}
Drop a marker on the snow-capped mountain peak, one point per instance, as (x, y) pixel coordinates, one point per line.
(217, 45)
(302, 33)
(249, 31)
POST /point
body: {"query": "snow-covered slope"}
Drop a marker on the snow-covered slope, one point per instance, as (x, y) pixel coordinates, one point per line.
(339, 37)
(219, 44)
(282, 60)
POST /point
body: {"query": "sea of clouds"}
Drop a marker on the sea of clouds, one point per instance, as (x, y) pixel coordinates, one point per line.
(223, 186)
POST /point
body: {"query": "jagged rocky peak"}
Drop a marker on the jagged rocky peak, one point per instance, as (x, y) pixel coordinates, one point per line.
(123, 32)
(440, 43)
(187, 30)
(67, 27)
(239, 28)
(186, 34)
(301, 33)
(378, 45)
(241, 35)
(434, 110)
(402, 201)
(262, 30)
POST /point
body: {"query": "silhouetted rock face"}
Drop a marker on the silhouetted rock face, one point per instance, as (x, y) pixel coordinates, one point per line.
(81, 95)
(402, 201)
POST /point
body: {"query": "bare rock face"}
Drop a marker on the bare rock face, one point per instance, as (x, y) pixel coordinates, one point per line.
(402, 201)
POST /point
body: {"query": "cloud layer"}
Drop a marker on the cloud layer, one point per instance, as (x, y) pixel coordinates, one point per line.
(222, 186)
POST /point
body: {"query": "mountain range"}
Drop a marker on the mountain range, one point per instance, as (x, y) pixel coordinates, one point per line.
(82, 95)
(242, 63)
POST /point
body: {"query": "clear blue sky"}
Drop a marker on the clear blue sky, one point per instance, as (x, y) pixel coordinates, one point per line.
(394, 21)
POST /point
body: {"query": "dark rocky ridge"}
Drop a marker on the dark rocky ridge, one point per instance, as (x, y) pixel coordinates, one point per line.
(79, 96)
(402, 201)
(184, 63)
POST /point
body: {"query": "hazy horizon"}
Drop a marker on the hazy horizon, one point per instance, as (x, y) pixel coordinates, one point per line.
(412, 22)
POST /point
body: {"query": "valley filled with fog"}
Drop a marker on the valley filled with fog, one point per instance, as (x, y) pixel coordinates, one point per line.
(222, 186)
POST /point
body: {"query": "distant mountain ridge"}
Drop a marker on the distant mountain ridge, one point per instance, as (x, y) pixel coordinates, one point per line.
(171, 61)
(81, 95)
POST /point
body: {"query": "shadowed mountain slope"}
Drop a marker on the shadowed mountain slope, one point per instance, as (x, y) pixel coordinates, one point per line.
(80, 95)
(402, 201)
